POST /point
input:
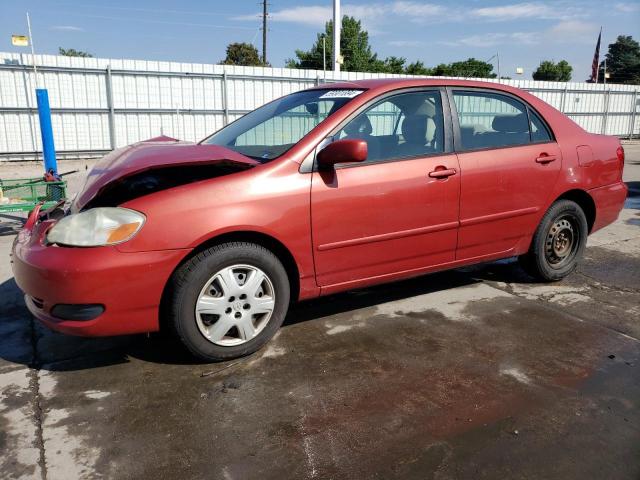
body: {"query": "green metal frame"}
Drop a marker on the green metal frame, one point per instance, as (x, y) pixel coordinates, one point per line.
(25, 193)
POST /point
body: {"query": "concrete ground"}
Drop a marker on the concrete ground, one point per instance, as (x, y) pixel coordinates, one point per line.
(473, 373)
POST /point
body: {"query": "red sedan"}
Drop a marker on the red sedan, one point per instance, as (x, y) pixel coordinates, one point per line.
(324, 190)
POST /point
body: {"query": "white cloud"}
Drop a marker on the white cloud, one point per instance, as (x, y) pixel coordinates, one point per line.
(529, 11)
(374, 15)
(311, 15)
(513, 11)
(525, 38)
(417, 9)
(493, 39)
(314, 15)
(317, 15)
(573, 31)
(374, 11)
(67, 28)
(627, 7)
(405, 43)
(563, 32)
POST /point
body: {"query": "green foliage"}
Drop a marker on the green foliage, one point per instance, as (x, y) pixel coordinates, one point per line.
(72, 52)
(390, 65)
(471, 67)
(418, 68)
(553, 72)
(354, 47)
(358, 56)
(623, 61)
(243, 54)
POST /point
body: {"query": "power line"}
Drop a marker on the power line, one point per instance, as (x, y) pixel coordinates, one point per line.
(148, 20)
(147, 10)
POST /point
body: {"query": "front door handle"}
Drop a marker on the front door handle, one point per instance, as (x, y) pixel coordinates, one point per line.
(442, 172)
(545, 158)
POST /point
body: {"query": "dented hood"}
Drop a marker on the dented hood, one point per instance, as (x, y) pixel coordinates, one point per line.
(157, 153)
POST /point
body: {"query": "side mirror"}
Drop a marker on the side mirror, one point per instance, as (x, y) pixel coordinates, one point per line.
(342, 151)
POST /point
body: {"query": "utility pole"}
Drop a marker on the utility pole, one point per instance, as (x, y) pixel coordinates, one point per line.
(264, 31)
(324, 54)
(337, 24)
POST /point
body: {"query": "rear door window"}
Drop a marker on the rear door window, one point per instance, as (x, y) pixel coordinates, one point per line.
(490, 120)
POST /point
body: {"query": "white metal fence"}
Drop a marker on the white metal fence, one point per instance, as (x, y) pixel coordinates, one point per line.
(99, 104)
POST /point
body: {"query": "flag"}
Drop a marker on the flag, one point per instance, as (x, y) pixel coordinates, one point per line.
(20, 40)
(596, 61)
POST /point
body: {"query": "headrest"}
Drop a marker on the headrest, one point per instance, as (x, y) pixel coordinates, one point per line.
(426, 108)
(361, 125)
(414, 129)
(511, 123)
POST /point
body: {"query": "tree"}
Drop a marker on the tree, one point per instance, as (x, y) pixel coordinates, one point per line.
(623, 61)
(553, 72)
(391, 65)
(242, 54)
(358, 56)
(72, 52)
(468, 68)
(354, 47)
(418, 68)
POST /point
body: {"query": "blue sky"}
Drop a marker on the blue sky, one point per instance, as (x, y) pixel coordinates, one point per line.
(523, 32)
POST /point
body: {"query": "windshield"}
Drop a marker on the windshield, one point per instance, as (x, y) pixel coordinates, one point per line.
(271, 130)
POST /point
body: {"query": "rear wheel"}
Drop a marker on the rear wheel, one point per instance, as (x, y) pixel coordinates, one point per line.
(558, 243)
(228, 300)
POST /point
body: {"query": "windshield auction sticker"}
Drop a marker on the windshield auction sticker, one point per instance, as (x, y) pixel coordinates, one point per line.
(341, 94)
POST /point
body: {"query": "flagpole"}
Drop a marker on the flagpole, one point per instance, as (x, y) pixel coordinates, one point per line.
(595, 64)
(598, 68)
(44, 114)
(33, 50)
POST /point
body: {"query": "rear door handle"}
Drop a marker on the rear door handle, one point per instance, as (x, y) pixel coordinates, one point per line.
(442, 173)
(544, 158)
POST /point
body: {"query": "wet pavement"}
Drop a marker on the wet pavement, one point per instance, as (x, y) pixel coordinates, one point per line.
(473, 373)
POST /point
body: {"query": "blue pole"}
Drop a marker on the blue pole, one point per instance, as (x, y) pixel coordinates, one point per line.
(46, 131)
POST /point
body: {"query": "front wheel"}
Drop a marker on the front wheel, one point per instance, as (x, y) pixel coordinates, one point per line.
(558, 243)
(228, 300)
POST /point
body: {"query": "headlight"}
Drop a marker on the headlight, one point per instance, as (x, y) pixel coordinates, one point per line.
(96, 227)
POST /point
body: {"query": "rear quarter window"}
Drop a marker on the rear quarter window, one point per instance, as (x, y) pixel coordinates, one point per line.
(539, 131)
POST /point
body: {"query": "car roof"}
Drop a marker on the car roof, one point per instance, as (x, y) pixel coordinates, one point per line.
(384, 84)
(375, 87)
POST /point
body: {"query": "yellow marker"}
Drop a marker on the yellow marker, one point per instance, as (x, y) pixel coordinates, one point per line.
(20, 40)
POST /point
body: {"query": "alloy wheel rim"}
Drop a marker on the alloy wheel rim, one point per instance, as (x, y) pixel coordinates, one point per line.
(561, 242)
(235, 305)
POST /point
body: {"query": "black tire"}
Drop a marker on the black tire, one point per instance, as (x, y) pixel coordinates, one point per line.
(545, 261)
(190, 278)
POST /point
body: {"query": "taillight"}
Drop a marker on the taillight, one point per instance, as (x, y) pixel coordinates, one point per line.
(620, 155)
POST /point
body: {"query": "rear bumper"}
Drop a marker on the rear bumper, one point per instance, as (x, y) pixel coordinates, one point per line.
(128, 285)
(609, 202)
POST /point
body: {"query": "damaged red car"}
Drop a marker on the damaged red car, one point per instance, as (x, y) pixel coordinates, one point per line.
(324, 190)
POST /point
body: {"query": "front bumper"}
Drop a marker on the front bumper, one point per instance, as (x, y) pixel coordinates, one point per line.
(128, 285)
